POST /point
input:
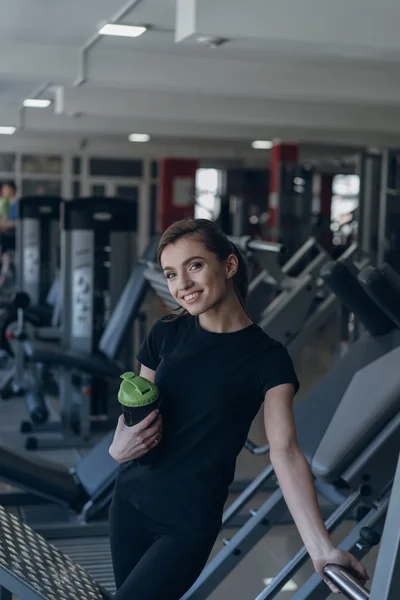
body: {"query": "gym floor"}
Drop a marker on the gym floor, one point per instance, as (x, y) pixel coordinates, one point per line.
(279, 546)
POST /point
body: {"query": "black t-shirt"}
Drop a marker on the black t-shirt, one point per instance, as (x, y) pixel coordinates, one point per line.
(211, 385)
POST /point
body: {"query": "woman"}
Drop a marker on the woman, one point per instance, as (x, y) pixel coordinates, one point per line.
(214, 368)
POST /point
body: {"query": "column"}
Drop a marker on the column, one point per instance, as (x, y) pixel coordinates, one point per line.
(284, 160)
(177, 187)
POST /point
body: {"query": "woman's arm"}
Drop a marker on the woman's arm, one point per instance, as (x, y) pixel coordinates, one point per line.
(296, 482)
(147, 373)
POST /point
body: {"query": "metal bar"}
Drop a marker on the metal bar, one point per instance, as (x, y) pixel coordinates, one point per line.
(386, 582)
(383, 209)
(247, 243)
(5, 594)
(302, 556)
(13, 584)
(254, 449)
(238, 547)
(247, 495)
(315, 588)
(299, 255)
(347, 584)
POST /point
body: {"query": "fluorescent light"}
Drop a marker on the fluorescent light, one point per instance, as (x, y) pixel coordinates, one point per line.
(290, 586)
(7, 130)
(36, 103)
(139, 137)
(262, 145)
(122, 30)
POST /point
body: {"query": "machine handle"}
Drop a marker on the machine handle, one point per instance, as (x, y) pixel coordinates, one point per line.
(346, 583)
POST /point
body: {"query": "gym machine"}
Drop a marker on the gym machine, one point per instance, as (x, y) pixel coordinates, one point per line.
(293, 200)
(86, 489)
(379, 215)
(96, 233)
(37, 284)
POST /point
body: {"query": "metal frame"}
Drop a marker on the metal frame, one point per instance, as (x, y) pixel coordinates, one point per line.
(386, 582)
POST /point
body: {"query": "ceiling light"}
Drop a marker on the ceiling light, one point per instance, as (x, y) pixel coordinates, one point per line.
(122, 30)
(36, 103)
(290, 586)
(262, 145)
(7, 130)
(139, 137)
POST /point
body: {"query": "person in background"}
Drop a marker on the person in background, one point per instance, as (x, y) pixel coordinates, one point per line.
(8, 221)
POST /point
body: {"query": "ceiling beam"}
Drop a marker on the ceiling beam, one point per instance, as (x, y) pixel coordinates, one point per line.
(344, 82)
(364, 23)
(235, 112)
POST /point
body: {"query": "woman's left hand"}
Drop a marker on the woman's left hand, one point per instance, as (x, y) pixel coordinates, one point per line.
(344, 559)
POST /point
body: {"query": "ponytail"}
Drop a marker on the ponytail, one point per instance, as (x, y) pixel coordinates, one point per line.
(240, 279)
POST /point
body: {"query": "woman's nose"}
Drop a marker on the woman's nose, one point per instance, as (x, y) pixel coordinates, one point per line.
(184, 283)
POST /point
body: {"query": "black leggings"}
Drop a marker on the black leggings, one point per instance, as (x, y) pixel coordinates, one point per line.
(151, 562)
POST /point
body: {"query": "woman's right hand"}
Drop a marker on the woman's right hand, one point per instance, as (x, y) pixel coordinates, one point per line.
(131, 443)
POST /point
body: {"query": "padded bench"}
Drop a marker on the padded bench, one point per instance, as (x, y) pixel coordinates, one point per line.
(32, 569)
(97, 365)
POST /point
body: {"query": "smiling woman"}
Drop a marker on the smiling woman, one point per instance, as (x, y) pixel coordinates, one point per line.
(197, 257)
(214, 368)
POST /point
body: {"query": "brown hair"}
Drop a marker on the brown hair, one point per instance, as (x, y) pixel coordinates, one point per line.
(215, 241)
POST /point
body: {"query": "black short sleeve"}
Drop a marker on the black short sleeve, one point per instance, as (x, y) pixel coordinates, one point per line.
(278, 370)
(149, 352)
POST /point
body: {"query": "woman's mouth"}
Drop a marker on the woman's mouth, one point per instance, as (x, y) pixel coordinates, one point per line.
(191, 298)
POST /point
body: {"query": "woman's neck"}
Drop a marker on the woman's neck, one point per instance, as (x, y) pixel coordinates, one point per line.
(228, 317)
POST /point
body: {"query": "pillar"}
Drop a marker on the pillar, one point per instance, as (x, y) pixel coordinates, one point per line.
(325, 210)
(284, 161)
(177, 187)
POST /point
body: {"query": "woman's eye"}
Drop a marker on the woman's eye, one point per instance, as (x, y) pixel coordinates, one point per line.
(195, 265)
(169, 275)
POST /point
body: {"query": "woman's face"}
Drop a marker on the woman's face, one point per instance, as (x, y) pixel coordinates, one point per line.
(196, 278)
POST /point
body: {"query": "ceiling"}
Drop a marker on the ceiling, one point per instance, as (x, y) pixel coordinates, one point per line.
(314, 72)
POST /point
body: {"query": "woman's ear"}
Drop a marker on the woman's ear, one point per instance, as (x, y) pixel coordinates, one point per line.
(232, 265)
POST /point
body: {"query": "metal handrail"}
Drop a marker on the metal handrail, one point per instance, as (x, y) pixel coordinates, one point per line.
(254, 449)
(346, 583)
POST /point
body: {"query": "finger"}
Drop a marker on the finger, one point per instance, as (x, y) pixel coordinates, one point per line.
(145, 423)
(150, 440)
(155, 443)
(145, 449)
(358, 569)
(332, 587)
(121, 423)
(152, 431)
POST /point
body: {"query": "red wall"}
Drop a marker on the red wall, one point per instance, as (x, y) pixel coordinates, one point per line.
(172, 169)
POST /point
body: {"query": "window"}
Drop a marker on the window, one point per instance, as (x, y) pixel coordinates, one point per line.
(154, 169)
(76, 189)
(106, 167)
(7, 163)
(153, 208)
(34, 187)
(208, 191)
(76, 165)
(32, 163)
(345, 200)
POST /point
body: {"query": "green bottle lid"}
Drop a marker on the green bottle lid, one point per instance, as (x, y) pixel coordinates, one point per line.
(136, 391)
